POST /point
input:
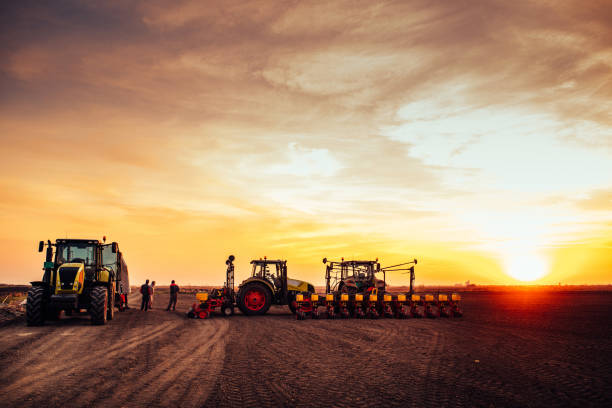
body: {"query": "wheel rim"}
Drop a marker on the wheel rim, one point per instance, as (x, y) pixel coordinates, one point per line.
(255, 299)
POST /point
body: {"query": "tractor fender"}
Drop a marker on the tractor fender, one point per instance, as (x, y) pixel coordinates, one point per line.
(256, 279)
(40, 283)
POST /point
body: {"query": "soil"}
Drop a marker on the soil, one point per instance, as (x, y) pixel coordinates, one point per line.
(510, 349)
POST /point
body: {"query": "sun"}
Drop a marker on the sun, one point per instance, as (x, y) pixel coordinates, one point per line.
(526, 267)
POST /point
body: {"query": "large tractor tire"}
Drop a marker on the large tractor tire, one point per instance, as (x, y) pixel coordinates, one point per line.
(35, 307)
(110, 312)
(291, 301)
(99, 302)
(254, 299)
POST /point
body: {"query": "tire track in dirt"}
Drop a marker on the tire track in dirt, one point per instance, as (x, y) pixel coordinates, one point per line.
(558, 357)
(59, 359)
(161, 353)
(498, 355)
(172, 376)
(26, 353)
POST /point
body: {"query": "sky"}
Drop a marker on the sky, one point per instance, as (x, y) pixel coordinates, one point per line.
(475, 136)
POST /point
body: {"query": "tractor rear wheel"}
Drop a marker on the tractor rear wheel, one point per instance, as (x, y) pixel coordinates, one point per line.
(254, 299)
(99, 302)
(35, 306)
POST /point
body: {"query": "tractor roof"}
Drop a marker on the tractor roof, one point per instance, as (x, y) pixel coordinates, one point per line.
(267, 261)
(356, 263)
(79, 241)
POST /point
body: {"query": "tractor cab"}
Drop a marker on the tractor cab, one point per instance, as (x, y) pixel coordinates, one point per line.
(272, 271)
(353, 276)
(98, 260)
(76, 251)
(361, 276)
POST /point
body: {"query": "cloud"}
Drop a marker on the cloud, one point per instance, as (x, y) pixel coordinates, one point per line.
(355, 124)
(599, 200)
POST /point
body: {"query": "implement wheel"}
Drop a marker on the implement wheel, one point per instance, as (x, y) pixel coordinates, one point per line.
(98, 307)
(35, 306)
(227, 309)
(254, 299)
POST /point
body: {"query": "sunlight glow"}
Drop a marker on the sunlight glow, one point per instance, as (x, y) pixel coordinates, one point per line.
(526, 267)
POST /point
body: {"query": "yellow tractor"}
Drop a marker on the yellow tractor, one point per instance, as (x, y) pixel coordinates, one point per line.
(79, 274)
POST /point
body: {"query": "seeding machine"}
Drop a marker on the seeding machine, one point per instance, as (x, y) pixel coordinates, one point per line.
(353, 289)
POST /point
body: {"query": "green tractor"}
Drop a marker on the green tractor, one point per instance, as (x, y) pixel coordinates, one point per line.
(79, 274)
(269, 285)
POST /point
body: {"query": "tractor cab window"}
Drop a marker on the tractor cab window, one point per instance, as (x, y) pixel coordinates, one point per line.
(267, 273)
(109, 259)
(82, 253)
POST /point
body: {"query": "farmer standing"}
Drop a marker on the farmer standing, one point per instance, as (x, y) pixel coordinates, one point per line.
(174, 290)
(152, 291)
(145, 290)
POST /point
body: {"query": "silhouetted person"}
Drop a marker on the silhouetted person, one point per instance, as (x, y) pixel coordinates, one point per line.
(146, 296)
(174, 290)
(152, 290)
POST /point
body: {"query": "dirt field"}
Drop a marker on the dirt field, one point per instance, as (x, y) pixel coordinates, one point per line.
(538, 349)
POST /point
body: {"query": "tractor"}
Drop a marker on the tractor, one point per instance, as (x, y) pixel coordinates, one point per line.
(360, 276)
(79, 274)
(354, 289)
(268, 285)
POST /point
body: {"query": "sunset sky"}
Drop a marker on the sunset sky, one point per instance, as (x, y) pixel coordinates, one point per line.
(475, 136)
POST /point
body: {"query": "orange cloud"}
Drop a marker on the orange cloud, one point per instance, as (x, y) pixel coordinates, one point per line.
(459, 135)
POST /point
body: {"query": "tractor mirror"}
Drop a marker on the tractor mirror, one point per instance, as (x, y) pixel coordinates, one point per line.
(324, 260)
(231, 258)
(415, 261)
(41, 245)
(115, 247)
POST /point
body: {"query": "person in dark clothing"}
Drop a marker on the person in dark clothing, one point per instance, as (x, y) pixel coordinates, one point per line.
(145, 290)
(174, 290)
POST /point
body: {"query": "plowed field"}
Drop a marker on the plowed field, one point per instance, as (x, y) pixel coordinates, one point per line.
(510, 349)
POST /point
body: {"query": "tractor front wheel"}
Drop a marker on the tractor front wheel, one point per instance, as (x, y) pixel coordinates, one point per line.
(98, 307)
(254, 299)
(35, 314)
